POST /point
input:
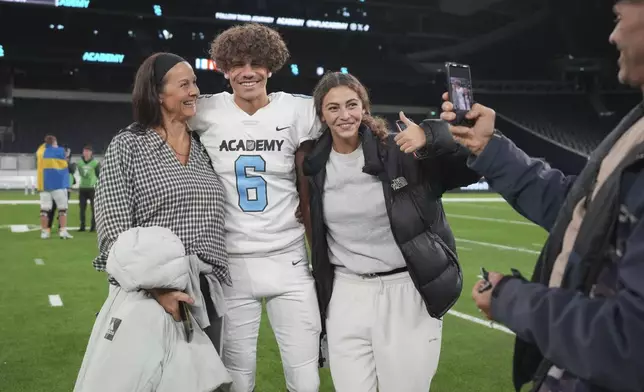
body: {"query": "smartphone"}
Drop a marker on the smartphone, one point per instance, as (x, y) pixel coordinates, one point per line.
(485, 276)
(184, 311)
(401, 125)
(459, 87)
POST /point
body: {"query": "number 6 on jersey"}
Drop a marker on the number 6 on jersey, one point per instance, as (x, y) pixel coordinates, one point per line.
(253, 196)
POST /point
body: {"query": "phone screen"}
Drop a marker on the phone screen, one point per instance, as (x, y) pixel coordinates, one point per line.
(460, 86)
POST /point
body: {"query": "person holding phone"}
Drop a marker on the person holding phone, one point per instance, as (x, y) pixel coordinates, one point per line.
(579, 321)
(384, 258)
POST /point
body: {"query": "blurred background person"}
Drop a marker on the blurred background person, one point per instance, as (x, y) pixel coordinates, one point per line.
(72, 180)
(88, 169)
(53, 183)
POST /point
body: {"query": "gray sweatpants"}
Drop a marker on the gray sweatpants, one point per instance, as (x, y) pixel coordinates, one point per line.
(380, 335)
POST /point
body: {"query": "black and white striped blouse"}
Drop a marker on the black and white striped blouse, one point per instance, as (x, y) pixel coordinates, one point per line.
(143, 184)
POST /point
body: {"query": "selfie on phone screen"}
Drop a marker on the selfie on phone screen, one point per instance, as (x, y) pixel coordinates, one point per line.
(460, 86)
(462, 93)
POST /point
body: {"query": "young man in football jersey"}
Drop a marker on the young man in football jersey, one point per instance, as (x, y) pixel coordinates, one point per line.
(257, 143)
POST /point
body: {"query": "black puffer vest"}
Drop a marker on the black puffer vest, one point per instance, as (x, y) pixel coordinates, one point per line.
(412, 190)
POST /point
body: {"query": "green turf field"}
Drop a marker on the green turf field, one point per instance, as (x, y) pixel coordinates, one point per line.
(41, 347)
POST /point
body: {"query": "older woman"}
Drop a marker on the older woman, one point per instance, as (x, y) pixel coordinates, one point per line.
(155, 173)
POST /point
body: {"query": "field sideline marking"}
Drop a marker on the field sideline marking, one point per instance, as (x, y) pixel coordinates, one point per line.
(480, 218)
(472, 199)
(29, 228)
(18, 202)
(55, 300)
(485, 323)
(499, 246)
(19, 228)
(486, 206)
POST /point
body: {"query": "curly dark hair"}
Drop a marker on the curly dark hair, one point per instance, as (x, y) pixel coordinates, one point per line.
(249, 42)
(378, 125)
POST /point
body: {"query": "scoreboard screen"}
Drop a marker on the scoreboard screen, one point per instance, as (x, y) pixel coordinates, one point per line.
(53, 3)
(41, 2)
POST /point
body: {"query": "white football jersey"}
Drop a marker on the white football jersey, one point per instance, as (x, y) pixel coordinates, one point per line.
(255, 158)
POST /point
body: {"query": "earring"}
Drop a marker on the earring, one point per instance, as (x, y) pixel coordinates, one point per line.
(270, 74)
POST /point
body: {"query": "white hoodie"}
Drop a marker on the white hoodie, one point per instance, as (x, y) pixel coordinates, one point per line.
(135, 345)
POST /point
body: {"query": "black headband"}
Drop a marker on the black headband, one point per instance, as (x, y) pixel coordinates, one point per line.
(163, 63)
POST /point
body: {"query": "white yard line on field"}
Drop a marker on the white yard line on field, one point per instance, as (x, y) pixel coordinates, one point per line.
(498, 246)
(485, 323)
(19, 228)
(29, 228)
(487, 206)
(472, 199)
(480, 218)
(39, 261)
(55, 300)
(22, 202)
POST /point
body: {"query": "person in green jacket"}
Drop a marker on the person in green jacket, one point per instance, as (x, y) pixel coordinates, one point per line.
(88, 169)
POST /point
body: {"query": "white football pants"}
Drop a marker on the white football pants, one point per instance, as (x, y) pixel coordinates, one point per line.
(291, 303)
(380, 335)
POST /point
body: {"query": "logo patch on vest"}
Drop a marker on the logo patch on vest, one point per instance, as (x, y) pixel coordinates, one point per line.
(114, 326)
(399, 183)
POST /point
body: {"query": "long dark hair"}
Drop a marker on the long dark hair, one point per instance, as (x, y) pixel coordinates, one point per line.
(146, 104)
(330, 80)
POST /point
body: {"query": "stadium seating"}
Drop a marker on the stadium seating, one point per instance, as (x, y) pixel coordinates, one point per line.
(74, 123)
(568, 120)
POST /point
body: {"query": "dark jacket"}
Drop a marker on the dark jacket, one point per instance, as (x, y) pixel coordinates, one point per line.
(412, 190)
(592, 326)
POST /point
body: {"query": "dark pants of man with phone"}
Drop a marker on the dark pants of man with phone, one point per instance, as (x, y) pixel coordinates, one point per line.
(83, 196)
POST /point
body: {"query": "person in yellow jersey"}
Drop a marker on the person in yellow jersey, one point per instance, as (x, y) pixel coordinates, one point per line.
(53, 181)
(72, 169)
